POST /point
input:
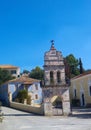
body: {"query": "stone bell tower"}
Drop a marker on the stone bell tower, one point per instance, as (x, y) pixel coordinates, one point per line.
(54, 68)
(55, 85)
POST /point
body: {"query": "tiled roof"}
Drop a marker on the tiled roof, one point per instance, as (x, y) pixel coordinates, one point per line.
(24, 80)
(8, 67)
(81, 75)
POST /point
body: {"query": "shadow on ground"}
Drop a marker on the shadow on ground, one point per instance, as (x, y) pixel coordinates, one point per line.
(82, 113)
(83, 116)
(20, 115)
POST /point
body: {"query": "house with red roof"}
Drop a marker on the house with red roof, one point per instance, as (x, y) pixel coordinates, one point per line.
(10, 89)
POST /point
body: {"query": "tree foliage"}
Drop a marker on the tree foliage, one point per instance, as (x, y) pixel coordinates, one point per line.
(37, 73)
(73, 64)
(26, 72)
(4, 76)
(22, 94)
(81, 66)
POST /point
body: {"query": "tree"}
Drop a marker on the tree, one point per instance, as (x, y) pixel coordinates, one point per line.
(5, 76)
(73, 64)
(81, 66)
(22, 94)
(37, 73)
(26, 72)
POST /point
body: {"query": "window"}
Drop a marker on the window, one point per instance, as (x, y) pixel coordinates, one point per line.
(51, 77)
(13, 71)
(12, 88)
(36, 86)
(36, 96)
(58, 77)
(90, 91)
(75, 93)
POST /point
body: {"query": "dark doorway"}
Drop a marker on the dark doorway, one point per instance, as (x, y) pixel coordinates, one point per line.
(83, 100)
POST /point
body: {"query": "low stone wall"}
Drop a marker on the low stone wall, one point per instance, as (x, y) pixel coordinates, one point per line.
(37, 109)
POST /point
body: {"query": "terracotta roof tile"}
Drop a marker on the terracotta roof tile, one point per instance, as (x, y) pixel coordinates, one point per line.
(24, 80)
(8, 67)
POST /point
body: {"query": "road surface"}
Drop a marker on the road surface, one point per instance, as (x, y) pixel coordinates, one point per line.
(18, 120)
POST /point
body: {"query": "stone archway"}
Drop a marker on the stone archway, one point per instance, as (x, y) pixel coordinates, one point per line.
(57, 92)
(57, 105)
(56, 101)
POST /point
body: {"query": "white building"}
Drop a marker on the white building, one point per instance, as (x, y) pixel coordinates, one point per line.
(12, 87)
(14, 70)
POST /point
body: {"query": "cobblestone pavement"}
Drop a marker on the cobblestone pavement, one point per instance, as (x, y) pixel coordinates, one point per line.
(18, 120)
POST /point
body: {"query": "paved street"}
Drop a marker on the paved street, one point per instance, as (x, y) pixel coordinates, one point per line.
(17, 120)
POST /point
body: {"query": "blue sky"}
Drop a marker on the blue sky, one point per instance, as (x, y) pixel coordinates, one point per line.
(27, 26)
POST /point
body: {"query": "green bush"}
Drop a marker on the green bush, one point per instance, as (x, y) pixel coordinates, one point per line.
(22, 94)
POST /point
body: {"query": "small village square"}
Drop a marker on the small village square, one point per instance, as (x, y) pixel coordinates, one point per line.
(18, 120)
(45, 65)
(49, 104)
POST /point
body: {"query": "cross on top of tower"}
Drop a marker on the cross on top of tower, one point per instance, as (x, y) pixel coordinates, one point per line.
(52, 45)
(52, 41)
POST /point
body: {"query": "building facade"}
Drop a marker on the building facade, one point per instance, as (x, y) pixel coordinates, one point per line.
(9, 90)
(55, 91)
(14, 70)
(81, 89)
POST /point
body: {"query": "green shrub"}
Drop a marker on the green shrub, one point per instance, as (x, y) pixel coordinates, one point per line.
(22, 94)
